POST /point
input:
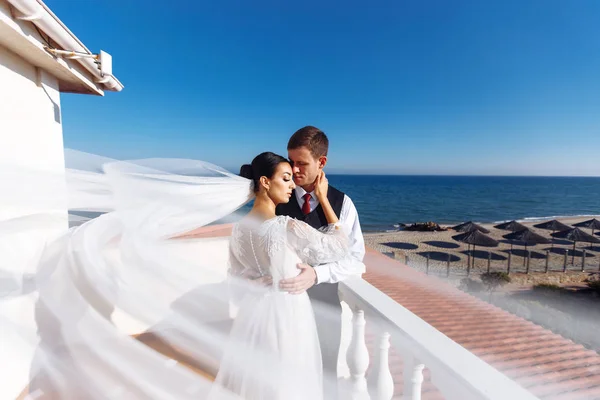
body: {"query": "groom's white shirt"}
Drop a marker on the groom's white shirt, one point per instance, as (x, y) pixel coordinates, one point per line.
(338, 271)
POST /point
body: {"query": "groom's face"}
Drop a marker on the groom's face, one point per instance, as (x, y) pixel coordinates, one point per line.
(305, 166)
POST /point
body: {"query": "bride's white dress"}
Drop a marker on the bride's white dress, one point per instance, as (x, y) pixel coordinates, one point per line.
(278, 327)
(71, 299)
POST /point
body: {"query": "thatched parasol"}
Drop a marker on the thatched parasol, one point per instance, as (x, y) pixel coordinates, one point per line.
(512, 226)
(553, 225)
(592, 224)
(576, 235)
(469, 226)
(475, 238)
(526, 237)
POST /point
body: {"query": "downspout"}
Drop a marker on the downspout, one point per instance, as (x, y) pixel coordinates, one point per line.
(40, 15)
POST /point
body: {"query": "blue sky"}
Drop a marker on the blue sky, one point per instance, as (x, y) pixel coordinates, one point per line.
(400, 87)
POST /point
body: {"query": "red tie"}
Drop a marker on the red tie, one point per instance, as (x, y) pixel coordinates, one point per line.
(306, 205)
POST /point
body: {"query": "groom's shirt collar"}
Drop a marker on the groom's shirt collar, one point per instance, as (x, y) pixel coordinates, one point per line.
(300, 192)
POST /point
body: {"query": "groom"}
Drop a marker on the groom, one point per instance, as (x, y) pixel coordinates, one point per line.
(307, 152)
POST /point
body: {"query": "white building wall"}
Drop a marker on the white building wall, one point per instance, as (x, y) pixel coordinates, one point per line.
(30, 134)
(30, 137)
(30, 116)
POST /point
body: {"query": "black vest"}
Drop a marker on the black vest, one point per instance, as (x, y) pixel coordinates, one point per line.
(325, 292)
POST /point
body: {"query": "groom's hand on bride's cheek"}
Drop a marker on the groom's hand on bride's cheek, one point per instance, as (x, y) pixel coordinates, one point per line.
(301, 283)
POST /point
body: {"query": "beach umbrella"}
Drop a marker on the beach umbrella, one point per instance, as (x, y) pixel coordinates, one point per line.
(592, 224)
(553, 226)
(576, 235)
(512, 226)
(526, 237)
(475, 238)
(469, 226)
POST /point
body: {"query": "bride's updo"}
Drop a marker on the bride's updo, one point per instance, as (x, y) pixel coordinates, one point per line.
(263, 164)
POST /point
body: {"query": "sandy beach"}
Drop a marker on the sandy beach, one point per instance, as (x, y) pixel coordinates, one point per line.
(415, 247)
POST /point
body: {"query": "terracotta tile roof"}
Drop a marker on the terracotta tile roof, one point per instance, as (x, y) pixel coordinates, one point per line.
(547, 364)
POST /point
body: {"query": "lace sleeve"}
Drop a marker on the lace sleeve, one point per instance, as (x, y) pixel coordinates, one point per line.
(235, 266)
(329, 244)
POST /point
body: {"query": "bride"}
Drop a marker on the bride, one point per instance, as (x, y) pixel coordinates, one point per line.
(276, 324)
(63, 310)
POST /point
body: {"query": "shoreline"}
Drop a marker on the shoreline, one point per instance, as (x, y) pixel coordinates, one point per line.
(449, 257)
(533, 220)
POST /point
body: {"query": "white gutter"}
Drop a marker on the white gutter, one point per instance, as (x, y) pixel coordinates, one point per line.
(40, 15)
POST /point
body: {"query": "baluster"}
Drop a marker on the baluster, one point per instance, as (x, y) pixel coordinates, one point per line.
(358, 357)
(413, 378)
(380, 381)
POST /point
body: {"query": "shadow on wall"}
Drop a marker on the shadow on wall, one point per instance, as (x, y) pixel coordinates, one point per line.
(56, 107)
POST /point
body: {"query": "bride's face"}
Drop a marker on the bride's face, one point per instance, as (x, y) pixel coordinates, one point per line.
(281, 184)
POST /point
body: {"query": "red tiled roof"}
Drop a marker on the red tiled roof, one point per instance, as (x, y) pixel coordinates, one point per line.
(547, 364)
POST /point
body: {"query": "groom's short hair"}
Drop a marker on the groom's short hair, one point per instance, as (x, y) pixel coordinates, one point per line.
(312, 138)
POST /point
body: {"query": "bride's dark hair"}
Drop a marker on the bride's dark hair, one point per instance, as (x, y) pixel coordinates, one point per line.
(263, 164)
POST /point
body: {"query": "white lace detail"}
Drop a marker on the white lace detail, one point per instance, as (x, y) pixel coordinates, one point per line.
(236, 253)
(258, 246)
(315, 246)
(273, 238)
(266, 255)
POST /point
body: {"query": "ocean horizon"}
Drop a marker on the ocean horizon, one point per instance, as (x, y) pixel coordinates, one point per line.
(384, 201)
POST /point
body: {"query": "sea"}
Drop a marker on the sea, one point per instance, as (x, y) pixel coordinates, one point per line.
(383, 201)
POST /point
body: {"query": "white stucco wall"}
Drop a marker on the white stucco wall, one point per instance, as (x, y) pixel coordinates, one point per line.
(30, 137)
(30, 125)
(30, 115)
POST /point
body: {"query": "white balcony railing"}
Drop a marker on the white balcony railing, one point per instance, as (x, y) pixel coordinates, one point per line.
(455, 372)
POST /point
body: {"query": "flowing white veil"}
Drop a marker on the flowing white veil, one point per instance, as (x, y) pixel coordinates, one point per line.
(124, 305)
